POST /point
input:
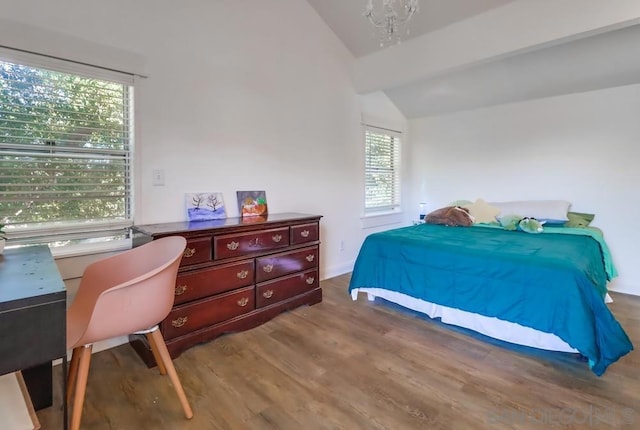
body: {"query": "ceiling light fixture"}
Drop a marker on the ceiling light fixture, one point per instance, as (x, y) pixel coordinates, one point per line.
(389, 15)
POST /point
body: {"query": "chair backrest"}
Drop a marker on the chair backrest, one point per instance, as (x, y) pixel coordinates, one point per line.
(125, 293)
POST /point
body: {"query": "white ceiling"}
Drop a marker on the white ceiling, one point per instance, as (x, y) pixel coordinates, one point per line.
(346, 19)
(606, 60)
(599, 61)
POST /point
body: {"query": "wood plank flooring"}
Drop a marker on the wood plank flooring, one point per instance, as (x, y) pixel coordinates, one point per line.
(359, 365)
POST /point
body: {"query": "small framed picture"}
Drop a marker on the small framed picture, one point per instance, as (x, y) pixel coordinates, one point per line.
(252, 203)
(205, 206)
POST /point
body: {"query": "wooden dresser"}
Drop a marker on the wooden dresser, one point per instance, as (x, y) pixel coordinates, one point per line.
(236, 273)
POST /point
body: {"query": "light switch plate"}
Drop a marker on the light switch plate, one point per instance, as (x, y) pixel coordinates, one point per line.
(158, 177)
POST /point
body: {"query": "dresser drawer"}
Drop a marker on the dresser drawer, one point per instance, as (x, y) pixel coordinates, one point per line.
(304, 233)
(277, 265)
(234, 245)
(198, 250)
(284, 288)
(213, 280)
(193, 316)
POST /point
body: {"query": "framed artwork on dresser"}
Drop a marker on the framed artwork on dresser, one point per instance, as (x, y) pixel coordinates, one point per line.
(252, 203)
(205, 206)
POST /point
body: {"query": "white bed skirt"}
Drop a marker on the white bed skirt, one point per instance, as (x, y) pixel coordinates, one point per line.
(489, 326)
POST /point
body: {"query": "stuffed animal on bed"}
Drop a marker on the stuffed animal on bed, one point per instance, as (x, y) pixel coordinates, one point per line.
(530, 225)
(517, 222)
(454, 216)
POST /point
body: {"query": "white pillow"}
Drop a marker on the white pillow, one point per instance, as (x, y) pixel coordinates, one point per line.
(542, 210)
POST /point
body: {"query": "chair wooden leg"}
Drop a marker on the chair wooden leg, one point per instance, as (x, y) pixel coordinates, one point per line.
(73, 373)
(81, 385)
(156, 356)
(163, 353)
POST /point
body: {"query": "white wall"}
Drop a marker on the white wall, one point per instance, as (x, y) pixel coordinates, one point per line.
(582, 148)
(240, 95)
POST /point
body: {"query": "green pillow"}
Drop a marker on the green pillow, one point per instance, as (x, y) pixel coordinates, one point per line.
(579, 220)
(460, 203)
(530, 225)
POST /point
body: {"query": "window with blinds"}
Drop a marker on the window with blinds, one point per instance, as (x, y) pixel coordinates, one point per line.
(65, 151)
(382, 170)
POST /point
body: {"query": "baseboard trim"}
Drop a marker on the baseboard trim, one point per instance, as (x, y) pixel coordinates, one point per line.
(625, 289)
(337, 270)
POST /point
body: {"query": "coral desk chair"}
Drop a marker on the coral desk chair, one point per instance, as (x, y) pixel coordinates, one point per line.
(130, 292)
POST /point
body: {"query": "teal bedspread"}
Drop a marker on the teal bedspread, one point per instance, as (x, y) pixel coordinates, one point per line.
(554, 283)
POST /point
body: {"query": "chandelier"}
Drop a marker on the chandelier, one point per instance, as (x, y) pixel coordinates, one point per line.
(390, 16)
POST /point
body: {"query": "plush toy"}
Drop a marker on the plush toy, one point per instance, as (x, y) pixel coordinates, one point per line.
(517, 222)
(510, 222)
(451, 216)
(530, 225)
(482, 212)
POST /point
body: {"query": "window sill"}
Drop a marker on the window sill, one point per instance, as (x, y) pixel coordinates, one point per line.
(89, 247)
(381, 219)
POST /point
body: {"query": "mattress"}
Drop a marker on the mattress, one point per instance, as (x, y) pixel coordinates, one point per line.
(554, 284)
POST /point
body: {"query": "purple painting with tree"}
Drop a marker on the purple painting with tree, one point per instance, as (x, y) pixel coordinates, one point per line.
(205, 206)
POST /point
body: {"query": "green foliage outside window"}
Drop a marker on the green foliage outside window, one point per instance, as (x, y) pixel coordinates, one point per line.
(64, 147)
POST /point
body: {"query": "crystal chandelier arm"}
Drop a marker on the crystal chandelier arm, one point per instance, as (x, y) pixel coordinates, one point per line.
(390, 18)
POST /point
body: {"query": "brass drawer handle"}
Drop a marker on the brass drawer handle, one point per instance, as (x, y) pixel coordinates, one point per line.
(304, 233)
(189, 252)
(180, 289)
(310, 280)
(243, 301)
(242, 274)
(268, 268)
(267, 294)
(232, 246)
(276, 238)
(179, 322)
(310, 257)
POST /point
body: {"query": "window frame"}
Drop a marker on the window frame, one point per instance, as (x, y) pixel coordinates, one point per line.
(74, 231)
(394, 206)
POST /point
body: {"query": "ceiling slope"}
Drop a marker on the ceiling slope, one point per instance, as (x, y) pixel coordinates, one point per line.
(465, 54)
(602, 61)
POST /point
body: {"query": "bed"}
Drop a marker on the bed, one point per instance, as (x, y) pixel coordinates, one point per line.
(541, 290)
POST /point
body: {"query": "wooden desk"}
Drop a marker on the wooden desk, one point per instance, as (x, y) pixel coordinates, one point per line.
(33, 302)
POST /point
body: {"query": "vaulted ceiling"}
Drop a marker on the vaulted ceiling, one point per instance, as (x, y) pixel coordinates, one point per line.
(583, 59)
(346, 19)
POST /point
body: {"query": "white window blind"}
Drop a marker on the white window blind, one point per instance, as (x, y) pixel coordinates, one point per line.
(65, 151)
(382, 170)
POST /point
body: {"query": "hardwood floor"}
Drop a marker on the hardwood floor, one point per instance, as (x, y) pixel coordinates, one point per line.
(358, 365)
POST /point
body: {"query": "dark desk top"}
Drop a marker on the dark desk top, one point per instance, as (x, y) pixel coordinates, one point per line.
(32, 318)
(29, 276)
